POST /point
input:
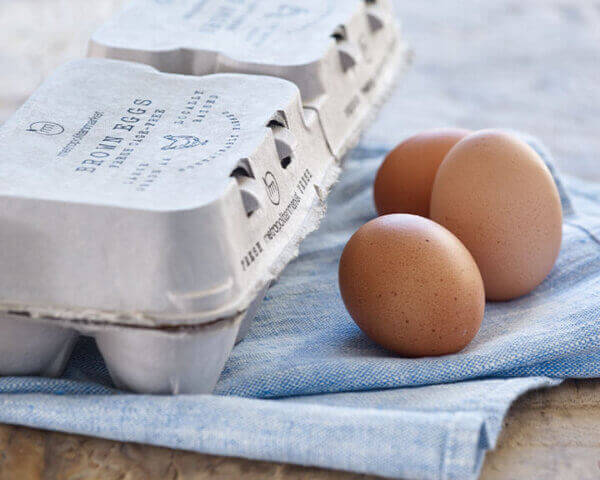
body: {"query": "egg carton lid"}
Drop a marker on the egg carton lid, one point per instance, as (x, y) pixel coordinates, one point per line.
(281, 32)
(133, 197)
(335, 52)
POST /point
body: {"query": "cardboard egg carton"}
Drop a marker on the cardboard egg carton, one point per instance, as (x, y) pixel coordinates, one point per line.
(342, 55)
(151, 211)
(151, 204)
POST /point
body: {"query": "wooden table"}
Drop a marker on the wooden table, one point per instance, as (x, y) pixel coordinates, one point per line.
(529, 65)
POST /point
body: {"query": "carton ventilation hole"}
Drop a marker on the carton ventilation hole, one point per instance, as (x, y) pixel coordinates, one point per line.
(367, 87)
(250, 202)
(340, 34)
(284, 139)
(279, 119)
(240, 172)
(347, 57)
(375, 22)
(285, 161)
(244, 176)
(243, 169)
(275, 124)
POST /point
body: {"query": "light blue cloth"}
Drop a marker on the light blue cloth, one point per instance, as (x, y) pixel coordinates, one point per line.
(307, 387)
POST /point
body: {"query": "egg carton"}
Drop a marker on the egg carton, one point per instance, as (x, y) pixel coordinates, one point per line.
(343, 56)
(151, 211)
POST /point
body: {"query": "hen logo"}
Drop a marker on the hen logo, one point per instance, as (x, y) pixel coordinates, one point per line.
(46, 128)
(272, 188)
(179, 142)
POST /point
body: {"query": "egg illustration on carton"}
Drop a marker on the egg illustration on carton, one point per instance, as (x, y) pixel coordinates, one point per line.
(179, 142)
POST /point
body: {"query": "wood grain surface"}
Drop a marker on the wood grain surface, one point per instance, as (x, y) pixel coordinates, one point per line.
(531, 65)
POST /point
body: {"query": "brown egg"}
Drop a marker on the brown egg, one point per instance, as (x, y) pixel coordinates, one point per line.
(405, 178)
(411, 286)
(495, 193)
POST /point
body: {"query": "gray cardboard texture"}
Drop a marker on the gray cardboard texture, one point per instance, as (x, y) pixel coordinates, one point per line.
(144, 198)
(338, 53)
(152, 210)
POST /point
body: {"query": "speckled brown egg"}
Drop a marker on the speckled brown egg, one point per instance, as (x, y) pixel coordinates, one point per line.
(495, 193)
(411, 286)
(405, 178)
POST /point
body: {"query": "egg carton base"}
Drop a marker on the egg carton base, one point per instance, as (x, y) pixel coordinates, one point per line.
(145, 360)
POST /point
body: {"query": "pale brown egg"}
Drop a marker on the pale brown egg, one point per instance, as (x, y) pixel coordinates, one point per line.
(411, 286)
(405, 178)
(495, 193)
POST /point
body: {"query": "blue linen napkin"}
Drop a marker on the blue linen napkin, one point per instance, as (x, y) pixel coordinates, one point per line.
(307, 387)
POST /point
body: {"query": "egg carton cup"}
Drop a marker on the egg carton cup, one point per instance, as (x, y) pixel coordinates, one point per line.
(343, 56)
(160, 361)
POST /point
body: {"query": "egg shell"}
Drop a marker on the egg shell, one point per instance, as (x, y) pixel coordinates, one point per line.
(405, 178)
(495, 193)
(411, 286)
